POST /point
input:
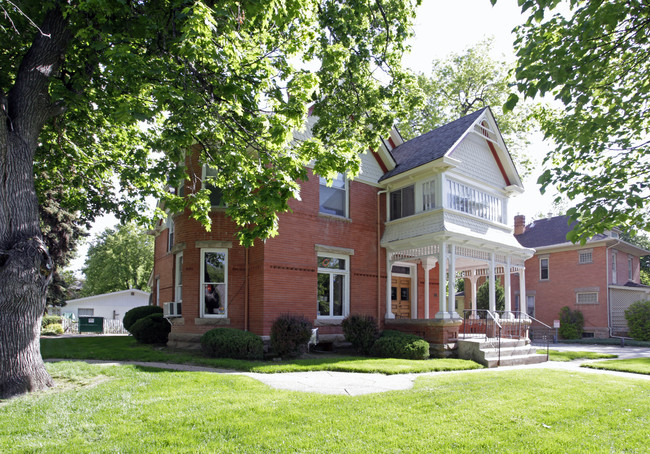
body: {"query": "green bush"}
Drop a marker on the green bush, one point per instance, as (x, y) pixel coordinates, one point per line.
(571, 323)
(135, 314)
(395, 344)
(290, 334)
(232, 343)
(483, 296)
(152, 329)
(50, 320)
(53, 329)
(638, 320)
(361, 331)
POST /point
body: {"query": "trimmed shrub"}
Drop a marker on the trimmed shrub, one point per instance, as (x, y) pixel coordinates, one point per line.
(53, 329)
(638, 320)
(135, 314)
(50, 320)
(571, 323)
(152, 329)
(290, 334)
(232, 343)
(395, 344)
(361, 331)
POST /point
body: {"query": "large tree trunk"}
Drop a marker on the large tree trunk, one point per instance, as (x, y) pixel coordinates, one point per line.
(25, 265)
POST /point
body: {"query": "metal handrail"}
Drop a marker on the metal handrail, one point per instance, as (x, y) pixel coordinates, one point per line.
(492, 316)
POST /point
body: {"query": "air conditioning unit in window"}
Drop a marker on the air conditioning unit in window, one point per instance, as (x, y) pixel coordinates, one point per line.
(173, 309)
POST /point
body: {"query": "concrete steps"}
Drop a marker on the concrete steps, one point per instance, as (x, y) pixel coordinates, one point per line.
(514, 352)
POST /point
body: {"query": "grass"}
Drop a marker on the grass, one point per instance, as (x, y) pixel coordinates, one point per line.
(609, 341)
(123, 348)
(106, 409)
(556, 355)
(635, 365)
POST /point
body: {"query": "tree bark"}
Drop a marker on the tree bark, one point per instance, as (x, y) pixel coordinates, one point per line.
(25, 264)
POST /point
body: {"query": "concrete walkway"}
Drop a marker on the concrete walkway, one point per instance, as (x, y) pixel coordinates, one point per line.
(355, 384)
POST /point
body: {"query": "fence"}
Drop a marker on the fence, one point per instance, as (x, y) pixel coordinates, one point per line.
(110, 326)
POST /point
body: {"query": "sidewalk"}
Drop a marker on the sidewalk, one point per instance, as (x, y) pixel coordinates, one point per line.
(355, 384)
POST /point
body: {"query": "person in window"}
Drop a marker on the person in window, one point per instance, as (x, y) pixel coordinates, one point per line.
(212, 300)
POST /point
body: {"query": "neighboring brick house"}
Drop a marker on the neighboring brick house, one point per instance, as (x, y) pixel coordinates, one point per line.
(600, 278)
(418, 213)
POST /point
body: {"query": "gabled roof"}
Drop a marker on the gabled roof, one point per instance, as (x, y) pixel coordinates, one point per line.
(430, 146)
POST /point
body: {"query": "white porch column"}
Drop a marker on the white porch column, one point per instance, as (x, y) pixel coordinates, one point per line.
(492, 286)
(427, 264)
(507, 289)
(523, 301)
(451, 305)
(473, 279)
(389, 278)
(442, 268)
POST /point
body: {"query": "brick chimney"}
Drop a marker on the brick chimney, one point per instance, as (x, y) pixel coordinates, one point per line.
(520, 224)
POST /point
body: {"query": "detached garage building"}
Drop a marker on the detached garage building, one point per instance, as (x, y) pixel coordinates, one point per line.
(110, 306)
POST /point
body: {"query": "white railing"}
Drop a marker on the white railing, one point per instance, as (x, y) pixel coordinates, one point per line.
(110, 326)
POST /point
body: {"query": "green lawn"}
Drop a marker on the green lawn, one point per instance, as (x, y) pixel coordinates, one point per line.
(556, 355)
(107, 409)
(123, 348)
(635, 365)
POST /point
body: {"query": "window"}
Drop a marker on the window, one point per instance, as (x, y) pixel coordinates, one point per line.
(170, 237)
(587, 298)
(214, 278)
(157, 291)
(614, 277)
(216, 194)
(472, 201)
(334, 199)
(178, 279)
(402, 203)
(530, 305)
(428, 195)
(333, 277)
(86, 312)
(585, 256)
(543, 269)
(630, 265)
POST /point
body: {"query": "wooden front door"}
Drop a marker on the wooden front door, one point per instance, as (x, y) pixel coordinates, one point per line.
(401, 297)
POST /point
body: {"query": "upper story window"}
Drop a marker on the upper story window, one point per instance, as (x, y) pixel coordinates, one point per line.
(630, 268)
(428, 195)
(334, 199)
(178, 281)
(402, 202)
(614, 277)
(170, 236)
(216, 193)
(472, 201)
(543, 269)
(585, 256)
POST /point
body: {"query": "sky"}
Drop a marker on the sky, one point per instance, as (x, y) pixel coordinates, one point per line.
(443, 27)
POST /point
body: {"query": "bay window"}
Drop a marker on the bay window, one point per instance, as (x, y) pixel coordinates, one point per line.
(214, 279)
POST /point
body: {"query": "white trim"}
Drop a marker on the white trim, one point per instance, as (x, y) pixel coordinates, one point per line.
(548, 268)
(90, 298)
(345, 309)
(178, 277)
(202, 283)
(346, 189)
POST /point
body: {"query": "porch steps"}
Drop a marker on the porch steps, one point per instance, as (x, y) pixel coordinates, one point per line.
(514, 352)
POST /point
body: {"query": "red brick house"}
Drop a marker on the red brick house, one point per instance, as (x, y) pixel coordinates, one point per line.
(420, 212)
(600, 278)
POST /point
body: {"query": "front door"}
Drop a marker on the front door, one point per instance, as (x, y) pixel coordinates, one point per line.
(401, 297)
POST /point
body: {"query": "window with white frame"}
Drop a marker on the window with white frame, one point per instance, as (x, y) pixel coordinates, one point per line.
(469, 200)
(614, 277)
(544, 269)
(630, 268)
(170, 235)
(83, 312)
(333, 285)
(214, 282)
(587, 298)
(333, 199)
(530, 305)
(585, 256)
(402, 202)
(428, 195)
(216, 193)
(178, 278)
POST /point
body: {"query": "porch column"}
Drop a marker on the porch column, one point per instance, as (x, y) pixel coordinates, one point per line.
(427, 264)
(452, 284)
(442, 273)
(522, 291)
(389, 278)
(492, 287)
(506, 284)
(473, 279)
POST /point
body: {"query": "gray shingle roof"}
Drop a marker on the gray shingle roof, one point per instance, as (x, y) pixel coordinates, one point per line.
(548, 231)
(430, 146)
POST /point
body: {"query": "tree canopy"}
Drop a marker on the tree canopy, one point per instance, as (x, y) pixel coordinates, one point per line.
(117, 260)
(595, 61)
(100, 98)
(465, 82)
